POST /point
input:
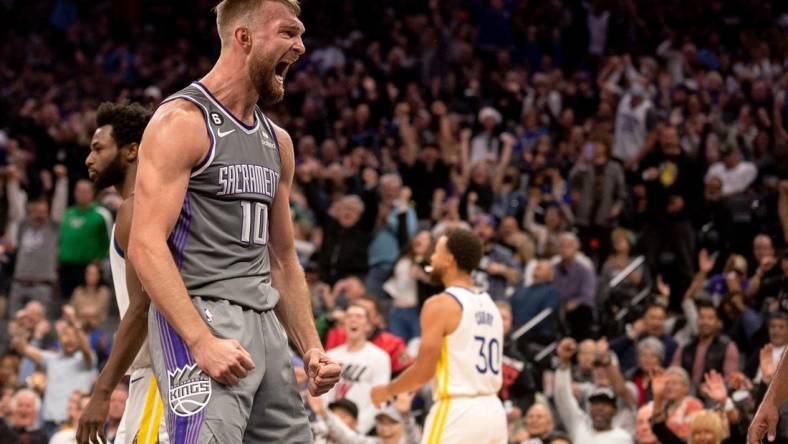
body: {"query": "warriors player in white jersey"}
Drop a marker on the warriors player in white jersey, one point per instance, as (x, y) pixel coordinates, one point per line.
(461, 348)
(113, 162)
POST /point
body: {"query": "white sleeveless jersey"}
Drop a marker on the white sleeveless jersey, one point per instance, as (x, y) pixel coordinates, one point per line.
(630, 130)
(470, 361)
(117, 261)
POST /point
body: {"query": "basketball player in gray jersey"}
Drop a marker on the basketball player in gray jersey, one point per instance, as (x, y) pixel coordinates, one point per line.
(212, 243)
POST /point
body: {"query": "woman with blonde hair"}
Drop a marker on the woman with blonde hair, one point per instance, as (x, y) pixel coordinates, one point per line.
(706, 427)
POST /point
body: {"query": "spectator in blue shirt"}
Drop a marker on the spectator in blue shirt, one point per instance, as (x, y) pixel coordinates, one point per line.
(395, 225)
(529, 301)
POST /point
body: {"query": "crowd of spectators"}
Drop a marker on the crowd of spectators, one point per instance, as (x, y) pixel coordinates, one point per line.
(623, 162)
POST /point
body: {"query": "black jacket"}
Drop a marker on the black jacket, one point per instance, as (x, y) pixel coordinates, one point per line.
(715, 356)
(344, 250)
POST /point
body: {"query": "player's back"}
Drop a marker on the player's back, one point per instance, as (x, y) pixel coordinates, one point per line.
(470, 361)
(117, 262)
(220, 239)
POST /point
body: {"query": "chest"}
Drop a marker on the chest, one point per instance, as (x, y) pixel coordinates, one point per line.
(242, 166)
(36, 239)
(84, 221)
(358, 367)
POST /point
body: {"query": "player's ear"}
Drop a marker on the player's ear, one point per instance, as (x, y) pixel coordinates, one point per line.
(132, 150)
(243, 36)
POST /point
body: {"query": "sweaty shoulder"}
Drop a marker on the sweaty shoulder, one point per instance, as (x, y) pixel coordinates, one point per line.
(177, 131)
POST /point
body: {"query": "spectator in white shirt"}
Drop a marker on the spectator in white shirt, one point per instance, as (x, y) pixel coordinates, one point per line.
(635, 122)
(736, 174)
(364, 365)
(71, 368)
(485, 145)
(394, 424)
(77, 402)
(596, 428)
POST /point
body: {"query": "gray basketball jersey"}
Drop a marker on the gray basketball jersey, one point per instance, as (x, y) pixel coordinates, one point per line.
(220, 241)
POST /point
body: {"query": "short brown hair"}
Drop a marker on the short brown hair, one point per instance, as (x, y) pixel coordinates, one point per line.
(373, 300)
(359, 304)
(466, 247)
(227, 11)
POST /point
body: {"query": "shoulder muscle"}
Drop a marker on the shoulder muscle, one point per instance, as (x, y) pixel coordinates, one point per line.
(442, 310)
(176, 135)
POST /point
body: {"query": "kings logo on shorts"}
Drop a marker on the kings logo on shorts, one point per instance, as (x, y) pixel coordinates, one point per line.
(190, 390)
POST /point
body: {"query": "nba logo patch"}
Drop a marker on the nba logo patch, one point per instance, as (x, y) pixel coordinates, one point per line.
(190, 390)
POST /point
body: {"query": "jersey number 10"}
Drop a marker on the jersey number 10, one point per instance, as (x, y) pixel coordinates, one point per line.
(254, 228)
(489, 354)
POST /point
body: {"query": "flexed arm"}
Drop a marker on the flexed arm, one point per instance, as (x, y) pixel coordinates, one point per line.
(173, 143)
(295, 309)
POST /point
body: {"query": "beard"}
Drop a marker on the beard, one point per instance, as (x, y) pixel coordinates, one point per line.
(436, 276)
(261, 71)
(112, 175)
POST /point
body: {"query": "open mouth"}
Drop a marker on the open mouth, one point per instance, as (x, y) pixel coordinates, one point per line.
(280, 70)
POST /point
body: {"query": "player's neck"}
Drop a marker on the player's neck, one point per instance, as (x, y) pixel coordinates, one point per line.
(126, 188)
(230, 84)
(456, 278)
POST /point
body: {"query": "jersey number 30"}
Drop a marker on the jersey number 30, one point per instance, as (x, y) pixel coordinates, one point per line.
(255, 223)
(489, 355)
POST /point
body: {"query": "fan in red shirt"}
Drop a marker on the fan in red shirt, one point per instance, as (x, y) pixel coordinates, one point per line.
(390, 343)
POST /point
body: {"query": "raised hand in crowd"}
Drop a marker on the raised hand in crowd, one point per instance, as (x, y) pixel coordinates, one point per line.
(706, 262)
(767, 364)
(657, 380)
(713, 387)
(566, 351)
